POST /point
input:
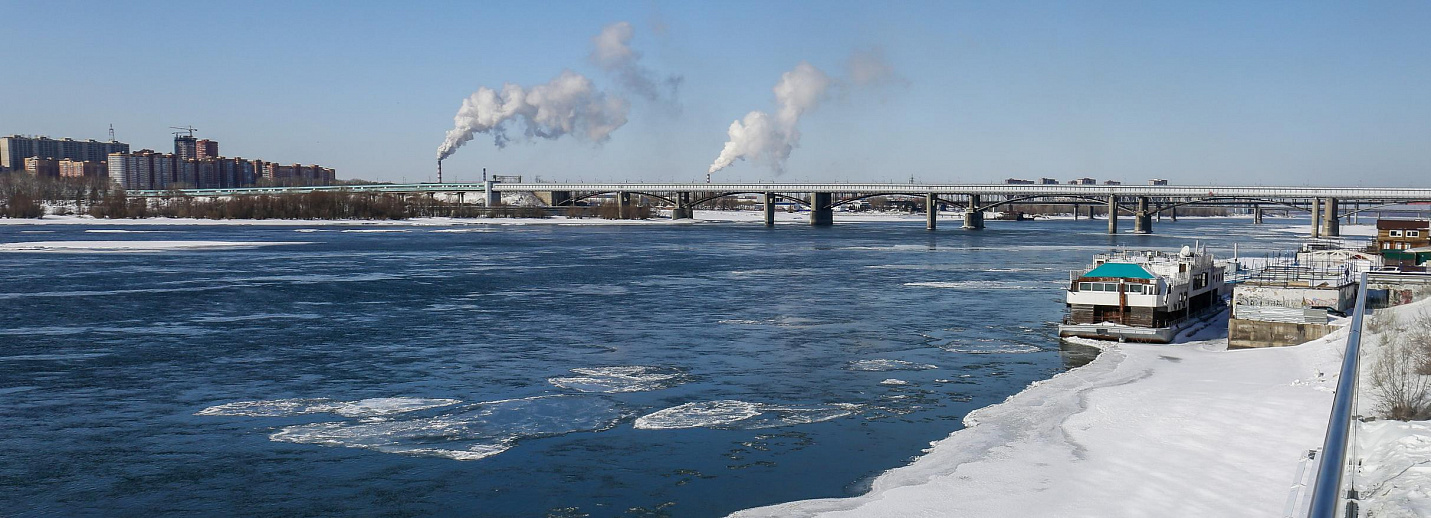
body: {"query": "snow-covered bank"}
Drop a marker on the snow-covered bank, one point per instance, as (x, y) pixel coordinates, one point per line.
(1143, 430)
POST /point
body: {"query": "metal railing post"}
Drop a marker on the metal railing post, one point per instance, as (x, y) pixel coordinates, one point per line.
(1327, 495)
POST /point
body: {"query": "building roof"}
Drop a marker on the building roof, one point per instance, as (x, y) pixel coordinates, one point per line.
(1120, 270)
(1401, 224)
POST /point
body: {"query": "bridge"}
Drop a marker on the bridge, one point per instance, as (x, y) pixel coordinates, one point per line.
(1326, 205)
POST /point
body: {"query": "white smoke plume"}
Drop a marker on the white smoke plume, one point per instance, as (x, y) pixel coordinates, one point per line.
(568, 104)
(868, 67)
(768, 140)
(613, 53)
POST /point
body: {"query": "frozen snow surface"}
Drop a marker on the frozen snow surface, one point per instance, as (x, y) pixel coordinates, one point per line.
(1143, 430)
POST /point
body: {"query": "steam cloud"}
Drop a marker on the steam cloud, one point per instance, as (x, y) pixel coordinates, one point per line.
(613, 53)
(766, 139)
(568, 104)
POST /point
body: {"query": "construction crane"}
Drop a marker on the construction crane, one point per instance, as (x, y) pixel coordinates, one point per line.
(189, 129)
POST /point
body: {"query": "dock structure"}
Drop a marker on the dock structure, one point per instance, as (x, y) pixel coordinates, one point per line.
(1145, 203)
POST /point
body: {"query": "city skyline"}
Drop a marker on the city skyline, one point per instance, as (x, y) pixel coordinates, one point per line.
(1269, 94)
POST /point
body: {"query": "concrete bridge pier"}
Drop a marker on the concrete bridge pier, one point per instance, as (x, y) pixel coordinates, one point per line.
(1159, 212)
(1090, 212)
(1142, 219)
(1112, 214)
(1173, 214)
(974, 217)
(1331, 225)
(1316, 217)
(769, 209)
(1256, 214)
(492, 198)
(821, 214)
(931, 211)
(1075, 212)
(623, 204)
(683, 209)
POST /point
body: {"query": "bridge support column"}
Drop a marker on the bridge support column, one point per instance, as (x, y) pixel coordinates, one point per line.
(1112, 214)
(1160, 212)
(1331, 225)
(769, 209)
(931, 210)
(623, 204)
(1075, 212)
(683, 209)
(1316, 217)
(492, 198)
(1142, 219)
(1256, 214)
(974, 218)
(821, 214)
(1090, 212)
(1173, 214)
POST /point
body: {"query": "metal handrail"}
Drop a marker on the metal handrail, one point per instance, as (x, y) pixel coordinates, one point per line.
(1327, 496)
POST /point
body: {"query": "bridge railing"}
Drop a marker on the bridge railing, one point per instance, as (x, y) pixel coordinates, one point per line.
(1369, 396)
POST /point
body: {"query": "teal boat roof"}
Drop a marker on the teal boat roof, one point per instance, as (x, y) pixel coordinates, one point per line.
(1120, 270)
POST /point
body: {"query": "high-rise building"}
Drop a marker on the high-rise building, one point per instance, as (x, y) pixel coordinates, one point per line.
(205, 148)
(186, 147)
(81, 169)
(15, 149)
(42, 166)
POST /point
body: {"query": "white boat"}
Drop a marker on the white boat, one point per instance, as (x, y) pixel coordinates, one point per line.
(1144, 296)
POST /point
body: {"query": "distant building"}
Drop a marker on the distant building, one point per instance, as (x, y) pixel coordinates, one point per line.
(1048, 181)
(81, 169)
(15, 149)
(206, 148)
(1083, 181)
(1112, 182)
(1402, 234)
(1016, 181)
(47, 167)
(1157, 181)
(186, 147)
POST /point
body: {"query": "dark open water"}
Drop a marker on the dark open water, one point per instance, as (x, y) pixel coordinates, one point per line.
(719, 366)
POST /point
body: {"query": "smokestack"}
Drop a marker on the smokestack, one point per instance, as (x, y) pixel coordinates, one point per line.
(484, 175)
(439, 171)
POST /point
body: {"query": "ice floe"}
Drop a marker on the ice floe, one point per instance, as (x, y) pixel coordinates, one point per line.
(881, 365)
(370, 407)
(735, 414)
(626, 378)
(471, 432)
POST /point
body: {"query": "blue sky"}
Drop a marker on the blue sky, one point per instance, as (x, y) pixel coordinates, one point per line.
(1269, 93)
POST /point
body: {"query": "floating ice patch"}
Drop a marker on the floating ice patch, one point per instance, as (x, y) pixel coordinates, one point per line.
(376, 230)
(992, 348)
(734, 414)
(371, 407)
(630, 378)
(135, 246)
(460, 230)
(470, 433)
(266, 408)
(894, 381)
(887, 365)
(121, 231)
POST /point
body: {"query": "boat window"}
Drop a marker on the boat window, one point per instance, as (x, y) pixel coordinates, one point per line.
(1085, 286)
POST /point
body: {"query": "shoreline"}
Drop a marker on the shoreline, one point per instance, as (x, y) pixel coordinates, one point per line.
(1142, 430)
(701, 216)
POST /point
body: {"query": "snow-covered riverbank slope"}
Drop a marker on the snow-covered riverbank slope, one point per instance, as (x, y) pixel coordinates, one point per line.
(1144, 430)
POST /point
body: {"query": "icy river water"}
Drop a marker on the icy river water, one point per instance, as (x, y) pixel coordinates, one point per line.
(538, 370)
